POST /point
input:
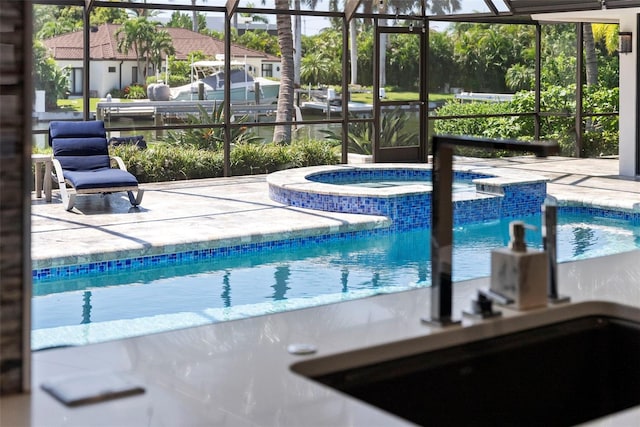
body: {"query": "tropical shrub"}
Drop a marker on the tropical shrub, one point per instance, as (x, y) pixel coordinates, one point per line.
(180, 70)
(116, 93)
(173, 80)
(600, 135)
(251, 159)
(48, 76)
(358, 140)
(484, 126)
(161, 162)
(255, 158)
(311, 152)
(171, 162)
(395, 132)
(210, 138)
(134, 92)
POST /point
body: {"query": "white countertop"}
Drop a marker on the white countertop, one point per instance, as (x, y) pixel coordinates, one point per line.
(238, 373)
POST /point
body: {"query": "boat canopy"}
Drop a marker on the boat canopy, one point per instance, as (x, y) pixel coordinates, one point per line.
(216, 80)
(202, 69)
(215, 64)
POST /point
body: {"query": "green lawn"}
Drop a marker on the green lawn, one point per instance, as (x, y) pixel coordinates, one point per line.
(76, 104)
(367, 97)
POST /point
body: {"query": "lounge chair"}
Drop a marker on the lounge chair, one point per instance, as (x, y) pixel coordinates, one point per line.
(81, 159)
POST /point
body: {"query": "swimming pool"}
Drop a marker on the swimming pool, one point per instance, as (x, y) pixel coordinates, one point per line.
(182, 291)
(482, 193)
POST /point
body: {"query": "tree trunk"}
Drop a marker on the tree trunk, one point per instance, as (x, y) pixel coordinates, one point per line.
(383, 56)
(284, 112)
(382, 8)
(297, 38)
(353, 51)
(194, 17)
(146, 70)
(590, 56)
(138, 64)
(591, 63)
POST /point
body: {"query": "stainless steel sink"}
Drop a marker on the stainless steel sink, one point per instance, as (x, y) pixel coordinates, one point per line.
(559, 366)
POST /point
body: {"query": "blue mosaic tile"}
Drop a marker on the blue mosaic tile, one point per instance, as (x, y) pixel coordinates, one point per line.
(56, 273)
(413, 211)
(596, 212)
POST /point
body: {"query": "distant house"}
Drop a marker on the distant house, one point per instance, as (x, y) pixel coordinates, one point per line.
(111, 69)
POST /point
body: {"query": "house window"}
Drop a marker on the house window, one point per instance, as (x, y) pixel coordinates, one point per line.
(134, 75)
(75, 81)
(267, 70)
(112, 69)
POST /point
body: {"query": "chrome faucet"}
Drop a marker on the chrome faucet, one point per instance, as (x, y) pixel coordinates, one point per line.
(442, 212)
(549, 222)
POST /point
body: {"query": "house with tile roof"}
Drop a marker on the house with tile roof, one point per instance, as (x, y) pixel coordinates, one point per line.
(110, 69)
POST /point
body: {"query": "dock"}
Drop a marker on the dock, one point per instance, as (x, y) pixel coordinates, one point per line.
(161, 111)
(485, 97)
(331, 108)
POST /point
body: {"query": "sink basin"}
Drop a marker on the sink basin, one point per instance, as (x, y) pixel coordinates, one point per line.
(580, 364)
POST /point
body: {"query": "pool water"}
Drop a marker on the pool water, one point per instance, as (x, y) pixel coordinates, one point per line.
(99, 307)
(457, 186)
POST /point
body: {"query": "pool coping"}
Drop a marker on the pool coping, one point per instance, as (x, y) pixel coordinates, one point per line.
(297, 179)
(491, 194)
(367, 223)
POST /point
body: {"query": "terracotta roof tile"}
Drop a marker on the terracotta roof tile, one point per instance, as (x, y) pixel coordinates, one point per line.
(103, 44)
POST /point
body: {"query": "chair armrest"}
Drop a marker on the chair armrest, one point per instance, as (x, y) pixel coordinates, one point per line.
(118, 162)
(58, 171)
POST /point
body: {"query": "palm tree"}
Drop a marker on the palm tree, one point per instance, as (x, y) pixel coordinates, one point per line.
(194, 17)
(254, 16)
(297, 48)
(353, 50)
(56, 28)
(316, 68)
(161, 43)
(137, 34)
(383, 7)
(142, 12)
(590, 56)
(604, 33)
(607, 34)
(520, 77)
(284, 111)
(441, 7)
(297, 38)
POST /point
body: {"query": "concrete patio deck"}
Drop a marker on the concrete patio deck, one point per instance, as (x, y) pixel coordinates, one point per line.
(199, 214)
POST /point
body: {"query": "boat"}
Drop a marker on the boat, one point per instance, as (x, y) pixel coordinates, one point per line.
(211, 75)
(329, 102)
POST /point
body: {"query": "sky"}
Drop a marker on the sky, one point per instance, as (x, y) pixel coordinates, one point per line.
(313, 25)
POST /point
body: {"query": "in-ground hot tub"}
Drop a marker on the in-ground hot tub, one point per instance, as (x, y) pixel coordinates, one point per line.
(402, 192)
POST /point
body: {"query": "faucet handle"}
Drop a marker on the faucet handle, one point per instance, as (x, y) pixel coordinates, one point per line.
(496, 297)
(482, 307)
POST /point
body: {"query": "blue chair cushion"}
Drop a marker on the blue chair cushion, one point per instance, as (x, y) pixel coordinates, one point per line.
(81, 153)
(83, 163)
(100, 178)
(58, 129)
(77, 146)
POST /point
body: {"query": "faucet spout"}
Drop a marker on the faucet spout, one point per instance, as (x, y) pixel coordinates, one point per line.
(549, 233)
(442, 212)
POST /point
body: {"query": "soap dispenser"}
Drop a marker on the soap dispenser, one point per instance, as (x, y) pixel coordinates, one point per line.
(519, 274)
